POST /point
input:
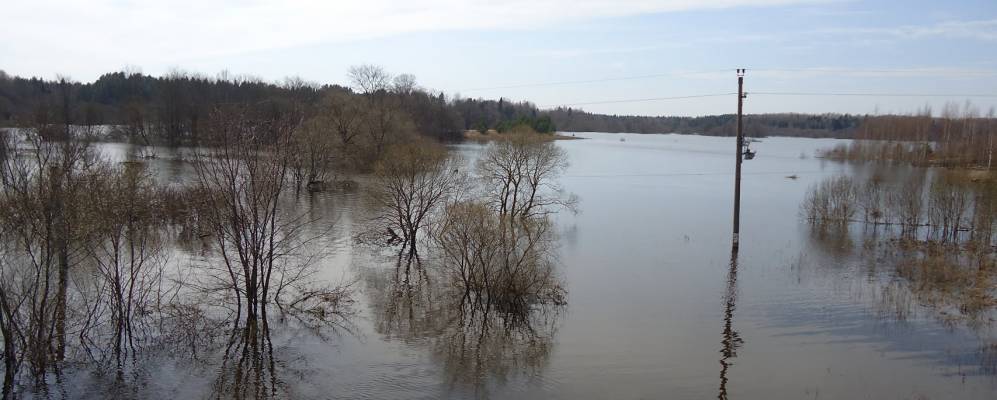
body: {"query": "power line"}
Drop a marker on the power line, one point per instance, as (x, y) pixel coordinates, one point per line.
(830, 94)
(923, 71)
(584, 81)
(763, 93)
(694, 96)
(883, 94)
(915, 71)
(692, 174)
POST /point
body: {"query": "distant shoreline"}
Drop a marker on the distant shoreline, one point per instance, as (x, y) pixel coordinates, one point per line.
(491, 134)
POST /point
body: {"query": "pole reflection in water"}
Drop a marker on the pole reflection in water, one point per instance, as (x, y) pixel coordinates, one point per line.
(731, 339)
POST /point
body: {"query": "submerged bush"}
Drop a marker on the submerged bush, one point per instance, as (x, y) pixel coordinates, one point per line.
(949, 203)
(907, 202)
(501, 260)
(833, 201)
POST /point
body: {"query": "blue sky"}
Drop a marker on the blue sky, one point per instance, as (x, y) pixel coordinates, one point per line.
(920, 47)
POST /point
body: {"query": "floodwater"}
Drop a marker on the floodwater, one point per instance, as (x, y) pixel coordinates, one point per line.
(656, 306)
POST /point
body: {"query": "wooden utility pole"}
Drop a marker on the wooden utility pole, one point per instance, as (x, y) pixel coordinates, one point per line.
(740, 154)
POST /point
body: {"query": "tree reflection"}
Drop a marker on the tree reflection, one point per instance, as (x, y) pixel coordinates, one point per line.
(478, 343)
(731, 338)
(248, 369)
(240, 353)
(832, 242)
(251, 368)
(956, 280)
(934, 259)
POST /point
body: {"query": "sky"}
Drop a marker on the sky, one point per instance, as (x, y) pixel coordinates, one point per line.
(590, 54)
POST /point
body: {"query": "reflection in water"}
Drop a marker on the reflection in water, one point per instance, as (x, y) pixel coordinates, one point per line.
(932, 229)
(934, 265)
(956, 280)
(833, 242)
(591, 364)
(989, 358)
(248, 370)
(476, 343)
(480, 342)
(731, 338)
(216, 357)
(251, 366)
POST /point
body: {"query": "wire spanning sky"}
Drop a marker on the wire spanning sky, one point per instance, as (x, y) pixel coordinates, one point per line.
(585, 52)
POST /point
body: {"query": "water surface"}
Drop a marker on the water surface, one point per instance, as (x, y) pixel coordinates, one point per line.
(656, 306)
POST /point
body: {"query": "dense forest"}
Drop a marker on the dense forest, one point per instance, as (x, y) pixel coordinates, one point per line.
(172, 108)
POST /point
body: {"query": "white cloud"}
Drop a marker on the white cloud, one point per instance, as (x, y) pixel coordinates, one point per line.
(985, 30)
(72, 35)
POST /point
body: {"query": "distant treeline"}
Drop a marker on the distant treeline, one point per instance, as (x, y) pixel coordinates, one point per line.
(172, 108)
(962, 136)
(804, 125)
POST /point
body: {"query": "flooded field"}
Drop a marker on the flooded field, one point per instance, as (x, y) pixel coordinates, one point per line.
(655, 304)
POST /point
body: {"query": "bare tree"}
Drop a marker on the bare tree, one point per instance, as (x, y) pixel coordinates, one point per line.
(832, 202)
(384, 125)
(519, 175)
(343, 114)
(909, 201)
(385, 121)
(314, 156)
(990, 138)
(369, 79)
(127, 251)
(948, 203)
(507, 265)
(500, 249)
(404, 84)
(340, 122)
(43, 224)
(412, 183)
(244, 176)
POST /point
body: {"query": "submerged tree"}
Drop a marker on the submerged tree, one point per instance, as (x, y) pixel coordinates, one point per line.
(79, 244)
(412, 183)
(519, 175)
(500, 248)
(244, 177)
(341, 115)
(487, 260)
(315, 155)
(949, 202)
(84, 242)
(127, 252)
(43, 218)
